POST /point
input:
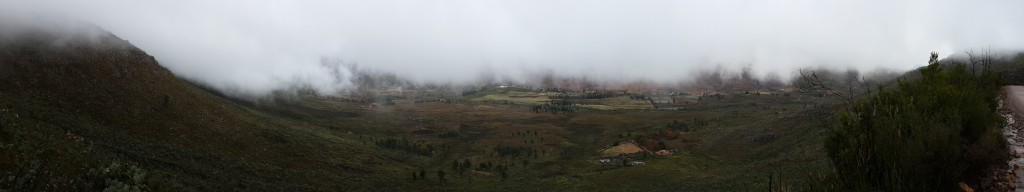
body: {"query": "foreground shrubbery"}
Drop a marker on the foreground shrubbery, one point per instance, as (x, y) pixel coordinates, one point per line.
(926, 134)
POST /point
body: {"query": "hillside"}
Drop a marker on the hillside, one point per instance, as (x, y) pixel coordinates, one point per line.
(97, 113)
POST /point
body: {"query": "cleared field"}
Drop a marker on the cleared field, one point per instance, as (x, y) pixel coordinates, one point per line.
(517, 98)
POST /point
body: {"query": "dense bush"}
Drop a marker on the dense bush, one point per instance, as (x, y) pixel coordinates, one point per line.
(926, 134)
(118, 177)
(419, 147)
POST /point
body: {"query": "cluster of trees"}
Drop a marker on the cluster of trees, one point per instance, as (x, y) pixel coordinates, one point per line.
(562, 102)
(419, 147)
(638, 97)
(528, 132)
(466, 164)
(584, 95)
(449, 100)
(552, 108)
(676, 125)
(422, 175)
(847, 84)
(699, 122)
(448, 134)
(461, 167)
(515, 152)
(926, 134)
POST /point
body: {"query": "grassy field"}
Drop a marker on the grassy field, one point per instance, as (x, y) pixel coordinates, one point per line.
(731, 143)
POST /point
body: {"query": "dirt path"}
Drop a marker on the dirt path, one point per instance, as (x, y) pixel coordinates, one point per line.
(1011, 107)
(1015, 97)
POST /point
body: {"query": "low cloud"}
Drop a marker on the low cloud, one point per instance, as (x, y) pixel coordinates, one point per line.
(253, 47)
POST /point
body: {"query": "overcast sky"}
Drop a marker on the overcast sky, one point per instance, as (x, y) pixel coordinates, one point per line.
(259, 45)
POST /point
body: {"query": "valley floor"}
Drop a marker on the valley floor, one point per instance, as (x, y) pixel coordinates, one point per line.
(735, 142)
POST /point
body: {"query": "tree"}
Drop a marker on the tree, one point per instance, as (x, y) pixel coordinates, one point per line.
(440, 176)
(925, 134)
(846, 85)
(934, 58)
(465, 165)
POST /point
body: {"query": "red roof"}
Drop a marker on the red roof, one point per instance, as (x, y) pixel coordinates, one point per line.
(663, 152)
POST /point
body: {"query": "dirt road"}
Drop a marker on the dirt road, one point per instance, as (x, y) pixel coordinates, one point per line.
(1015, 97)
(1011, 107)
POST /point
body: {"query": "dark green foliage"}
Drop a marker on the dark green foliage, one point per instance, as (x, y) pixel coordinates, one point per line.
(638, 97)
(466, 164)
(419, 148)
(699, 122)
(511, 151)
(449, 134)
(924, 135)
(585, 95)
(85, 101)
(502, 170)
(553, 108)
(440, 176)
(118, 177)
(675, 125)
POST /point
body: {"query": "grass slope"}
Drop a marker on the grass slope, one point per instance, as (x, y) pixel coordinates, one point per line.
(89, 114)
(101, 114)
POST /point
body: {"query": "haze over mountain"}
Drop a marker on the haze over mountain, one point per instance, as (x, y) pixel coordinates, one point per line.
(117, 95)
(253, 47)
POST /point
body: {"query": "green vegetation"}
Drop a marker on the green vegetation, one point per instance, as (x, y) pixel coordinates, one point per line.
(926, 134)
(100, 114)
(418, 147)
(80, 118)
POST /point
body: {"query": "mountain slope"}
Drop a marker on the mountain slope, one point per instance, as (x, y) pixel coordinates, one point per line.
(94, 113)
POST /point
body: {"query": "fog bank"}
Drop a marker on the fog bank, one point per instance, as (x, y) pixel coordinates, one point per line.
(253, 47)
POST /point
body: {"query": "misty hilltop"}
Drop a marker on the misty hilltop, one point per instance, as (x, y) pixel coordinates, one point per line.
(257, 47)
(88, 114)
(493, 95)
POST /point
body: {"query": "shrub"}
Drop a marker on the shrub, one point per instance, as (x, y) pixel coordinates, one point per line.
(926, 134)
(118, 177)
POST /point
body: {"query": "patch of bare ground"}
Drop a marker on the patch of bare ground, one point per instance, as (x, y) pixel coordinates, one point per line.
(627, 147)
